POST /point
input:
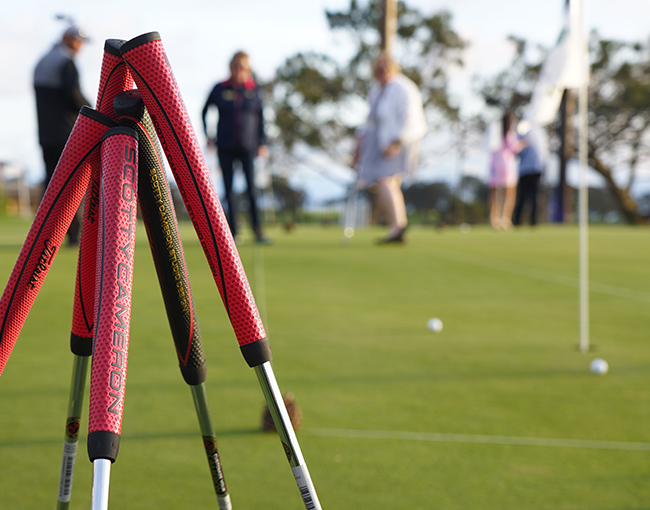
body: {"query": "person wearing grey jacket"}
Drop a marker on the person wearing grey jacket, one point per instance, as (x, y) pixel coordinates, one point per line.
(58, 101)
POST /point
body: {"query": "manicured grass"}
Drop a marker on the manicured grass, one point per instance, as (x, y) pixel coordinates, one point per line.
(347, 325)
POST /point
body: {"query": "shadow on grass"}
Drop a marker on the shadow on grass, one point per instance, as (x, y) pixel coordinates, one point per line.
(434, 376)
(18, 443)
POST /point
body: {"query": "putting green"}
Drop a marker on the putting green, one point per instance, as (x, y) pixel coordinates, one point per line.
(497, 411)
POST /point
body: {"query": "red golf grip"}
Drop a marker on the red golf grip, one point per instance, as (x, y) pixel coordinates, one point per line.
(60, 203)
(152, 73)
(114, 283)
(159, 218)
(83, 309)
(115, 77)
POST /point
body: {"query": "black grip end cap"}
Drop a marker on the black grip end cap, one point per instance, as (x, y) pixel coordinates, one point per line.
(257, 353)
(120, 130)
(81, 346)
(112, 46)
(102, 118)
(137, 41)
(129, 103)
(194, 375)
(103, 444)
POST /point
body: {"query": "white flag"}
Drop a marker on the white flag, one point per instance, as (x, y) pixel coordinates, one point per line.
(566, 67)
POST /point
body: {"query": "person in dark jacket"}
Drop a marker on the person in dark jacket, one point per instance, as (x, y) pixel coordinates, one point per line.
(240, 135)
(58, 101)
(532, 163)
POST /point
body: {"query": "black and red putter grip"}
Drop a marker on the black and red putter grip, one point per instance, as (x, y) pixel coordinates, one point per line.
(115, 77)
(114, 284)
(160, 221)
(155, 80)
(58, 206)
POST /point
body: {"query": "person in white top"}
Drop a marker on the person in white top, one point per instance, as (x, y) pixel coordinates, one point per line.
(389, 143)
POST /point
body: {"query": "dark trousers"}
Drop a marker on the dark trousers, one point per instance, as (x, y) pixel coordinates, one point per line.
(527, 192)
(51, 155)
(227, 157)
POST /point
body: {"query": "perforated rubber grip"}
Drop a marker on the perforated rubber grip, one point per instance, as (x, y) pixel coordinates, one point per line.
(83, 309)
(114, 283)
(60, 203)
(155, 80)
(115, 77)
(162, 229)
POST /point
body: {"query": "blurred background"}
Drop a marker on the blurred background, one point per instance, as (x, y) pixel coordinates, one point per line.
(495, 411)
(470, 60)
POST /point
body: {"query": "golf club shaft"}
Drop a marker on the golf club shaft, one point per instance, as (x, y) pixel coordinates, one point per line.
(75, 404)
(101, 484)
(80, 332)
(350, 218)
(210, 445)
(287, 435)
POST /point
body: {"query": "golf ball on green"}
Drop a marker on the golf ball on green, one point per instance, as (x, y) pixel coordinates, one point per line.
(599, 366)
(434, 325)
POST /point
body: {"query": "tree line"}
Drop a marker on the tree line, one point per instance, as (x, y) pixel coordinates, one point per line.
(315, 100)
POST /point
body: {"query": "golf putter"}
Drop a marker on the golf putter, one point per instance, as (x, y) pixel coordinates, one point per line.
(114, 78)
(160, 222)
(155, 80)
(114, 284)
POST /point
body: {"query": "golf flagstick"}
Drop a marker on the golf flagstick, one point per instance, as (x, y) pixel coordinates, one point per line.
(58, 206)
(162, 230)
(114, 78)
(114, 283)
(155, 80)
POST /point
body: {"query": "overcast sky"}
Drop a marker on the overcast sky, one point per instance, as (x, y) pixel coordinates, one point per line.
(200, 37)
